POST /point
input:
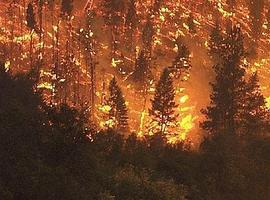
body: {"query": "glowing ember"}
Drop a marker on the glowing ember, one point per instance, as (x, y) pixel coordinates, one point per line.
(7, 65)
(45, 85)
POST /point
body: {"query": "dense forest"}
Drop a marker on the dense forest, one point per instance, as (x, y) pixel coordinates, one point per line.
(134, 100)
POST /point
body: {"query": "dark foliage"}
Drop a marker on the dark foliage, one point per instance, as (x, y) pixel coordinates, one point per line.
(118, 110)
(163, 104)
(142, 73)
(51, 153)
(182, 62)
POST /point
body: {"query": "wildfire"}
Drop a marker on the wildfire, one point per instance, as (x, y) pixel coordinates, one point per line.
(221, 9)
(187, 124)
(104, 121)
(45, 85)
(170, 23)
(186, 121)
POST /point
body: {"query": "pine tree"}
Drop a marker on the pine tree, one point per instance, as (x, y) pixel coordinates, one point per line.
(118, 110)
(182, 63)
(163, 104)
(227, 98)
(255, 113)
(223, 119)
(141, 72)
(216, 43)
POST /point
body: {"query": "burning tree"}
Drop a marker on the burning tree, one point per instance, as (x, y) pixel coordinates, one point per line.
(67, 62)
(87, 45)
(237, 106)
(41, 4)
(118, 113)
(222, 116)
(71, 73)
(131, 23)
(182, 62)
(163, 104)
(216, 42)
(113, 13)
(255, 113)
(141, 72)
(32, 25)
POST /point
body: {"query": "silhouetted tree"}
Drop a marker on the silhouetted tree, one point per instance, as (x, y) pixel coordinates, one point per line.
(216, 42)
(118, 110)
(237, 107)
(255, 113)
(182, 62)
(222, 116)
(141, 72)
(163, 104)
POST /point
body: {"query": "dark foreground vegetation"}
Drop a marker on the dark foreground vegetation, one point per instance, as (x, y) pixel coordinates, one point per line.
(52, 153)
